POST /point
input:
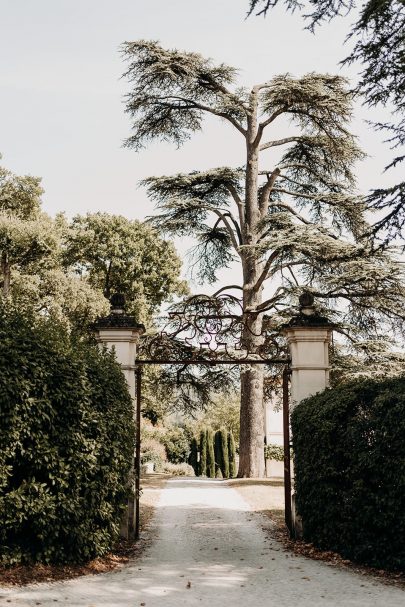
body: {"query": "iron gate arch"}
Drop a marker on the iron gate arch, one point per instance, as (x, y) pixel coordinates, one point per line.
(212, 334)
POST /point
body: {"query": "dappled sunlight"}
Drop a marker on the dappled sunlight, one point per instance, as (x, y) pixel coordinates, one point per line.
(208, 549)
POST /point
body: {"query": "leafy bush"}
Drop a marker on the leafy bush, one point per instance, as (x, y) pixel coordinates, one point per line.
(67, 439)
(177, 445)
(349, 445)
(178, 469)
(153, 457)
(275, 452)
(152, 450)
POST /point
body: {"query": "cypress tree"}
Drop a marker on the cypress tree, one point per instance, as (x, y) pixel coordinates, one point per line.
(218, 454)
(231, 455)
(210, 454)
(203, 453)
(225, 454)
(193, 458)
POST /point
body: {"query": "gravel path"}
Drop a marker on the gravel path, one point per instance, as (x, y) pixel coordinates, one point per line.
(210, 550)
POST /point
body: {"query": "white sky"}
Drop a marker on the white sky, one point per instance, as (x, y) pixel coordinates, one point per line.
(61, 97)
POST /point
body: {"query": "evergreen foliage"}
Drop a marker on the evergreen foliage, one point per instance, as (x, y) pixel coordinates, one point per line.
(193, 457)
(223, 412)
(203, 453)
(379, 42)
(67, 436)
(221, 453)
(350, 470)
(225, 453)
(231, 455)
(211, 472)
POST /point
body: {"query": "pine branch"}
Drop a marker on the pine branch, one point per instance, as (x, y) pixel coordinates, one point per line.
(266, 191)
(284, 141)
(265, 271)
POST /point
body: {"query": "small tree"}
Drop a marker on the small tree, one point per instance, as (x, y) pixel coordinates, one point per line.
(221, 453)
(296, 222)
(232, 455)
(225, 453)
(203, 453)
(210, 453)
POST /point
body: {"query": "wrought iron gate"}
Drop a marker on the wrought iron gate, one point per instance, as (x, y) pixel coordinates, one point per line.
(207, 331)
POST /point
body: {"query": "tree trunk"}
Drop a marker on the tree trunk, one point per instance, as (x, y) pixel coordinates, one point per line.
(6, 273)
(251, 447)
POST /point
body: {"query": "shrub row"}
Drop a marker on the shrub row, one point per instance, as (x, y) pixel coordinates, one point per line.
(349, 445)
(67, 439)
(214, 455)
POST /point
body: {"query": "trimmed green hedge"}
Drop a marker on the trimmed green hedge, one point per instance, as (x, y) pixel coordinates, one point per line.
(349, 445)
(67, 437)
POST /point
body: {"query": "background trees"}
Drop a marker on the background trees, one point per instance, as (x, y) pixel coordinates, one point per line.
(116, 254)
(31, 245)
(291, 215)
(69, 270)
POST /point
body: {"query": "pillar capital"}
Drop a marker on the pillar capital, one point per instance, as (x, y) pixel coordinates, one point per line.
(118, 322)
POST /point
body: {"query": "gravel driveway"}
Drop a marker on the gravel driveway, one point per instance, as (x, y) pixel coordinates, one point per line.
(208, 549)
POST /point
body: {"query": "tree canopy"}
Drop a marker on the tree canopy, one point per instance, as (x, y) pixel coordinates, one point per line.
(298, 222)
(379, 47)
(117, 254)
(69, 270)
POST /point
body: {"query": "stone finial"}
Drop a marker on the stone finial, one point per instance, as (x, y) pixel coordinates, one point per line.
(306, 300)
(117, 317)
(117, 302)
(308, 316)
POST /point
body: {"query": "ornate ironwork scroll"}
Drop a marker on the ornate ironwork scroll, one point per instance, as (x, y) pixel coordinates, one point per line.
(210, 330)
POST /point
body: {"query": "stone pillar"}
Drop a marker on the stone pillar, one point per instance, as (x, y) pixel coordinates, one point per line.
(121, 332)
(308, 336)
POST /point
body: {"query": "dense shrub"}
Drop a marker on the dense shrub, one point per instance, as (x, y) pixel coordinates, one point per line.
(274, 452)
(152, 456)
(177, 445)
(349, 445)
(218, 454)
(67, 437)
(178, 469)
